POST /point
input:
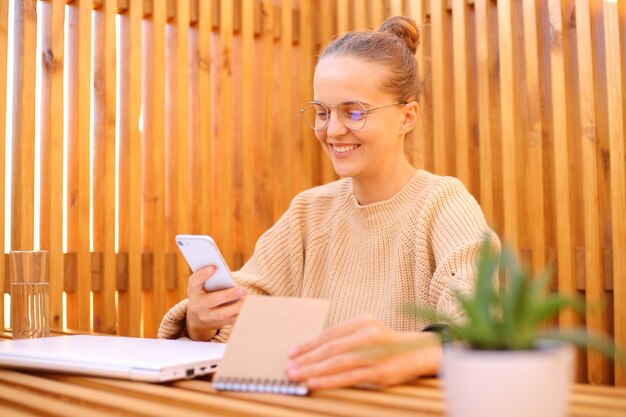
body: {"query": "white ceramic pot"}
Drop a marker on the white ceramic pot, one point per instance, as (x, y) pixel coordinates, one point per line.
(508, 383)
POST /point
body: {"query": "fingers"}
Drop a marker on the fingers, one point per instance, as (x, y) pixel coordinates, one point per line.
(195, 289)
(333, 365)
(356, 343)
(344, 379)
(339, 349)
(194, 285)
(222, 297)
(221, 315)
(333, 333)
(364, 351)
(211, 310)
(346, 372)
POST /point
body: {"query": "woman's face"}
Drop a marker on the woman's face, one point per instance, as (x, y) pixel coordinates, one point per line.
(376, 149)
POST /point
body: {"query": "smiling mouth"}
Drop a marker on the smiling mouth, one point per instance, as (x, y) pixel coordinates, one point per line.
(343, 148)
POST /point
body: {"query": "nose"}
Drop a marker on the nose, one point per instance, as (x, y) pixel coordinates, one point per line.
(335, 125)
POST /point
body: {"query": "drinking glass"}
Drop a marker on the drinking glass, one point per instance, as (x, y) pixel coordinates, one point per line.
(29, 291)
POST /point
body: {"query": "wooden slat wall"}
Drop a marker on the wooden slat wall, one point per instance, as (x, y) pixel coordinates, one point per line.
(181, 117)
(615, 73)
(4, 31)
(52, 114)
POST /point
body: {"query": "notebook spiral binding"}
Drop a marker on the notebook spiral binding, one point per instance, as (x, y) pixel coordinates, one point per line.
(269, 386)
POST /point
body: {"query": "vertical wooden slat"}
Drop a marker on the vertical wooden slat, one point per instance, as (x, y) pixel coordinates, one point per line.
(461, 87)
(195, 167)
(108, 322)
(135, 198)
(590, 148)
(442, 110)
(533, 139)
(359, 9)
(171, 166)
(508, 130)
(83, 286)
(43, 126)
(123, 174)
(566, 276)
(426, 146)
(205, 110)
(472, 112)
(159, 292)
(568, 11)
(283, 191)
(544, 40)
(376, 12)
(24, 63)
(343, 17)
(395, 7)
(99, 153)
(326, 34)
(149, 175)
(279, 192)
(200, 121)
(237, 139)
(4, 29)
(71, 165)
(310, 147)
(614, 68)
(183, 155)
(247, 120)
(53, 15)
(223, 176)
(263, 207)
(418, 145)
(158, 295)
(483, 63)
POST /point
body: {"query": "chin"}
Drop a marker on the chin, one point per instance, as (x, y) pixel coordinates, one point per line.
(345, 171)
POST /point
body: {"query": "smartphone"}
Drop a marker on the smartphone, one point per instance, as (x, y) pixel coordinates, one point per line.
(201, 251)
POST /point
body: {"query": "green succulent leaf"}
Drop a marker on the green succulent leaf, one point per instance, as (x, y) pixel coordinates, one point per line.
(514, 317)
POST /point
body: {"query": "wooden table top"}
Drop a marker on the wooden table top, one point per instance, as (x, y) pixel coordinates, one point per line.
(26, 393)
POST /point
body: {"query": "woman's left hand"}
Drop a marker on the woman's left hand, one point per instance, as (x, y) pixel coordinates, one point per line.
(363, 351)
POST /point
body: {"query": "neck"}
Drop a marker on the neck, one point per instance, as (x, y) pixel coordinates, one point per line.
(382, 187)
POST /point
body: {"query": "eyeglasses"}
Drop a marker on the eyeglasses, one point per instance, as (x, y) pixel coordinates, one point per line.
(353, 114)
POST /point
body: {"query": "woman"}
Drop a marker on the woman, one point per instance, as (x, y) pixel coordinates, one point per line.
(384, 235)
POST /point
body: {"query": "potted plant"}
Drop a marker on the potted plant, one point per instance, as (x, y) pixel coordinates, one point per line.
(505, 360)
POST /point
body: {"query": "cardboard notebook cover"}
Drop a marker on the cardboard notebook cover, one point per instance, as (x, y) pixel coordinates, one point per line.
(258, 347)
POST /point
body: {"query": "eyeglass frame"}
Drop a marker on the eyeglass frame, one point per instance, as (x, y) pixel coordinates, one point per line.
(329, 108)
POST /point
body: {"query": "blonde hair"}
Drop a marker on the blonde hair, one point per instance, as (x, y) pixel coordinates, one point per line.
(393, 46)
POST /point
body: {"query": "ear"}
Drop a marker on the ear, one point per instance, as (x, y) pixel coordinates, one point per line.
(409, 121)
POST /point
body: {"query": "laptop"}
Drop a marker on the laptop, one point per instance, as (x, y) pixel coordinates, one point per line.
(151, 360)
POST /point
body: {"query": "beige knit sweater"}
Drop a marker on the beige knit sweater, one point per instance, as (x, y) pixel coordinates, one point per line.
(415, 247)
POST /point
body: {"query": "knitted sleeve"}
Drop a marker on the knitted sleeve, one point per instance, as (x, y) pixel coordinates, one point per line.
(458, 229)
(271, 270)
(277, 262)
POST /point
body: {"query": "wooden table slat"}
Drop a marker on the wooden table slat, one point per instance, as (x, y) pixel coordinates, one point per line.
(24, 393)
(313, 404)
(182, 398)
(89, 398)
(385, 399)
(33, 403)
(7, 411)
(604, 402)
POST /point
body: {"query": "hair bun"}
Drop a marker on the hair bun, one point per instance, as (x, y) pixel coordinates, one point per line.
(404, 28)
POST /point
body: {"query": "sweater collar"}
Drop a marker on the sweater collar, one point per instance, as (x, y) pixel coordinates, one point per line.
(386, 212)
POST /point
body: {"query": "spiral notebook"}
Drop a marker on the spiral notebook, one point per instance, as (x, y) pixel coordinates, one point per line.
(257, 351)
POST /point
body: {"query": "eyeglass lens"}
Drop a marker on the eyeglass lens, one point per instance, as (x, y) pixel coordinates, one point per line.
(351, 113)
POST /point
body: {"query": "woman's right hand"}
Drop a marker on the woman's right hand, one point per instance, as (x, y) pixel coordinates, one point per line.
(208, 311)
